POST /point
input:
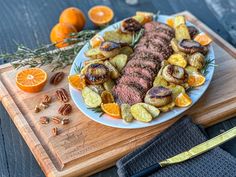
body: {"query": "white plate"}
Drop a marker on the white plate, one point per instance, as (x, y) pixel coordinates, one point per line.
(119, 123)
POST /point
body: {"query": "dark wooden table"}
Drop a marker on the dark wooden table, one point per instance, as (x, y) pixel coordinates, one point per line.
(29, 22)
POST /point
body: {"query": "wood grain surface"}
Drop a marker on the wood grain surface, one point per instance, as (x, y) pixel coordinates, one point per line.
(29, 22)
(84, 147)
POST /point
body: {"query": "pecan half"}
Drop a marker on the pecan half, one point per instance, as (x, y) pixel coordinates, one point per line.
(44, 120)
(65, 121)
(65, 109)
(46, 99)
(57, 78)
(43, 105)
(56, 120)
(37, 109)
(62, 95)
(55, 131)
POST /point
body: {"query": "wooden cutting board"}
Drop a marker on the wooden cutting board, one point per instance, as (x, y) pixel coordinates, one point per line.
(84, 147)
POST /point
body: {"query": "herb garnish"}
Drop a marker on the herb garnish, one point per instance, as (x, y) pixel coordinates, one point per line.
(97, 110)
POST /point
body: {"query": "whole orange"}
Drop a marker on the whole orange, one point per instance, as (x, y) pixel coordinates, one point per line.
(60, 32)
(73, 16)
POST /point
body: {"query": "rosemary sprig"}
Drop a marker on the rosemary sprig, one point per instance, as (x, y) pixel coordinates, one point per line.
(78, 68)
(47, 54)
(155, 16)
(208, 63)
(97, 110)
(136, 37)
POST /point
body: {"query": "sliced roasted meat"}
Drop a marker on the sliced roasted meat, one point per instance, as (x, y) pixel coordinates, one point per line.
(147, 72)
(153, 64)
(152, 26)
(129, 94)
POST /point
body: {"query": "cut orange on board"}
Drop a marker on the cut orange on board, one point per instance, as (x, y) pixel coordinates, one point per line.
(196, 80)
(170, 22)
(203, 39)
(183, 100)
(96, 41)
(112, 109)
(31, 80)
(77, 81)
(100, 15)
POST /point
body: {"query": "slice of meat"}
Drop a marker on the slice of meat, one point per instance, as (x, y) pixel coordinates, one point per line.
(136, 78)
(147, 72)
(153, 64)
(129, 94)
(152, 26)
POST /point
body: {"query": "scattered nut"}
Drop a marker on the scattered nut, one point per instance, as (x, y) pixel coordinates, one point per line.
(62, 95)
(55, 131)
(44, 120)
(57, 78)
(43, 105)
(65, 121)
(37, 109)
(56, 120)
(46, 99)
(65, 109)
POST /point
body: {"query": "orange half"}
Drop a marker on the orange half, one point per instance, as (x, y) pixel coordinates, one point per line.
(100, 15)
(196, 80)
(203, 39)
(77, 81)
(183, 100)
(170, 22)
(31, 80)
(112, 109)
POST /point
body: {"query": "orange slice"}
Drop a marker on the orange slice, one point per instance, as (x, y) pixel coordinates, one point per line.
(100, 15)
(183, 100)
(31, 80)
(112, 109)
(196, 80)
(146, 15)
(77, 81)
(96, 41)
(203, 39)
(170, 22)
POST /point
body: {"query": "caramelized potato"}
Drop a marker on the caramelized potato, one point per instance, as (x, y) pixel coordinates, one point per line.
(126, 50)
(140, 113)
(181, 32)
(178, 60)
(113, 71)
(117, 37)
(109, 84)
(179, 20)
(167, 107)
(160, 81)
(126, 113)
(151, 109)
(94, 53)
(91, 98)
(119, 61)
(107, 97)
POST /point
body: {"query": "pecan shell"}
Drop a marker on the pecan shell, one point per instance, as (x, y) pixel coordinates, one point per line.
(46, 99)
(44, 120)
(62, 95)
(55, 131)
(65, 109)
(57, 78)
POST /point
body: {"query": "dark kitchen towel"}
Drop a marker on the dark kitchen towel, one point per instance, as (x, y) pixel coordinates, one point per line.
(180, 137)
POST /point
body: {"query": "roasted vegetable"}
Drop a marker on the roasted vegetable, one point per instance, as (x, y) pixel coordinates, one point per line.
(109, 84)
(192, 31)
(88, 62)
(151, 109)
(158, 96)
(175, 74)
(97, 88)
(178, 60)
(181, 32)
(94, 53)
(126, 113)
(109, 49)
(91, 98)
(190, 47)
(167, 107)
(107, 97)
(130, 25)
(139, 18)
(113, 71)
(119, 61)
(179, 20)
(140, 113)
(118, 37)
(176, 90)
(148, 17)
(197, 60)
(96, 73)
(126, 50)
(174, 45)
(160, 81)
(191, 70)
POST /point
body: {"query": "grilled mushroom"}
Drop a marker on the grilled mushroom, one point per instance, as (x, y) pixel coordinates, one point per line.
(109, 48)
(196, 60)
(158, 96)
(192, 31)
(190, 47)
(96, 73)
(175, 74)
(130, 25)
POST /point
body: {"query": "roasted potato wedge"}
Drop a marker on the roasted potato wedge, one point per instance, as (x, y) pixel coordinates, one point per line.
(174, 45)
(151, 109)
(107, 97)
(139, 18)
(178, 59)
(87, 62)
(176, 90)
(126, 50)
(125, 113)
(140, 113)
(108, 85)
(181, 32)
(97, 88)
(197, 60)
(119, 61)
(179, 20)
(167, 107)
(160, 81)
(118, 37)
(190, 70)
(91, 98)
(94, 53)
(113, 71)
